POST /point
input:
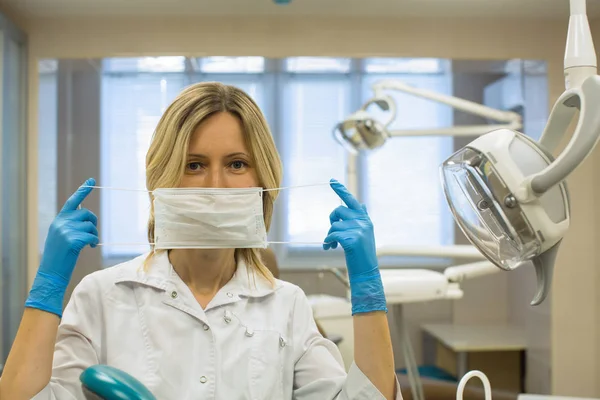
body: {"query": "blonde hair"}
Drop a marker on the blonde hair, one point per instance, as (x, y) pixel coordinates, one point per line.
(167, 156)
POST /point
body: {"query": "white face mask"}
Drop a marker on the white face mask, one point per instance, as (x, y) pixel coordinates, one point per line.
(209, 218)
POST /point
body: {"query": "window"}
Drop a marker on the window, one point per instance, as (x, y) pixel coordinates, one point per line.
(231, 64)
(310, 153)
(47, 164)
(303, 98)
(403, 193)
(131, 107)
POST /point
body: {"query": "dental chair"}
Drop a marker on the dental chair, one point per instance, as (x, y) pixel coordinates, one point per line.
(101, 382)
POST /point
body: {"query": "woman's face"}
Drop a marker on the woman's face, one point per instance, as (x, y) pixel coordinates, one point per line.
(217, 155)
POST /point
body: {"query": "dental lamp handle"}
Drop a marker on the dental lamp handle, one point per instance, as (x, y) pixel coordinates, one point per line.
(585, 137)
(544, 270)
(386, 103)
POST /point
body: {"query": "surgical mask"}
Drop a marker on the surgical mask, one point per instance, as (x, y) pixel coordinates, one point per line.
(209, 218)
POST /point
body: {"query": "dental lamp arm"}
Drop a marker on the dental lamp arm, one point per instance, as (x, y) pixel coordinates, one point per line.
(454, 102)
(583, 93)
(585, 137)
(580, 56)
(456, 131)
(361, 130)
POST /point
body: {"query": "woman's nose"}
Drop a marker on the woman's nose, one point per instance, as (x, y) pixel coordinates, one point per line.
(215, 178)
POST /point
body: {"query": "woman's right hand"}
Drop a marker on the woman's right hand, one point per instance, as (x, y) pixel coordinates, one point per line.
(72, 229)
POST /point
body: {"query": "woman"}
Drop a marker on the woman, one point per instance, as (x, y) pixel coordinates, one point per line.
(201, 323)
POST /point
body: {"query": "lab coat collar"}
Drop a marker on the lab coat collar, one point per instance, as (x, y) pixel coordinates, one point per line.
(159, 274)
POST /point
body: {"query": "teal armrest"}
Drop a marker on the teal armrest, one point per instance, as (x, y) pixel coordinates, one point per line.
(110, 383)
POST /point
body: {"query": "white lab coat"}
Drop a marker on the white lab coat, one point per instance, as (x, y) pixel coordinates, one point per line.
(252, 341)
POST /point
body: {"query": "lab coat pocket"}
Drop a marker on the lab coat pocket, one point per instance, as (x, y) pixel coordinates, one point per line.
(266, 366)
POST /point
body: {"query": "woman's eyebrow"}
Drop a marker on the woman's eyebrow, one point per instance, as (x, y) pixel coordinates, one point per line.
(237, 154)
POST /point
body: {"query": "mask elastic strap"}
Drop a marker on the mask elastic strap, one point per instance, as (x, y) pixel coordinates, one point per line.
(152, 244)
(298, 186)
(150, 191)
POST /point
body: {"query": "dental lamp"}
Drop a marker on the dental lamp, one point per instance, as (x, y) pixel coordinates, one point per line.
(507, 192)
(360, 131)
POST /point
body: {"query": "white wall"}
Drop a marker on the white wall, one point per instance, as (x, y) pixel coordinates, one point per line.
(573, 313)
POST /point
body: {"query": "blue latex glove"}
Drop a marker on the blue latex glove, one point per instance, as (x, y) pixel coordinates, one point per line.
(69, 233)
(352, 228)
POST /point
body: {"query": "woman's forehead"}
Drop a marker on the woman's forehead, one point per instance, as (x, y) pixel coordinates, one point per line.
(218, 134)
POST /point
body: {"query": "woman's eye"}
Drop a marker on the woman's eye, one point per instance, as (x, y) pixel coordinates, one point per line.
(238, 164)
(194, 166)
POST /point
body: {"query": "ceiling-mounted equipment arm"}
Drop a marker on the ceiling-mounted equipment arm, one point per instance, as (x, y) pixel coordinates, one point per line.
(454, 102)
(361, 131)
(580, 56)
(583, 94)
(584, 140)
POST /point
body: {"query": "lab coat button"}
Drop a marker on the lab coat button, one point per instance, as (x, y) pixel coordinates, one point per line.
(206, 327)
(174, 294)
(229, 294)
(203, 379)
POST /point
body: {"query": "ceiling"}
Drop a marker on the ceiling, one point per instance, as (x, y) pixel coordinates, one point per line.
(370, 8)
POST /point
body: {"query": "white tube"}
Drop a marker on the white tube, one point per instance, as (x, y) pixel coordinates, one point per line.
(456, 251)
(487, 388)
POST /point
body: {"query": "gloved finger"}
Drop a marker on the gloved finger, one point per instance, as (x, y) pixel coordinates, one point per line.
(84, 214)
(85, 226)
(329, 242)
(88, 238)
(345, 195)
(343, 226)
(340, 237)
(329, 245)
(343, 213)
(76, 198)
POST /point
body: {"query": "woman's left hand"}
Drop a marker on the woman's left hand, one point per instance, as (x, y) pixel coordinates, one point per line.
(352, 228)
